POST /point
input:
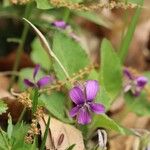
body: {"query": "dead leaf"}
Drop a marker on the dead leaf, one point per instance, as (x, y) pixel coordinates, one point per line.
(14, 106)
(6, 63)
(4, 93)
(68, 135)
(4, 83)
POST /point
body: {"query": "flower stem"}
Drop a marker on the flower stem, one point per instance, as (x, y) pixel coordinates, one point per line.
(35, 100)
(21, 44)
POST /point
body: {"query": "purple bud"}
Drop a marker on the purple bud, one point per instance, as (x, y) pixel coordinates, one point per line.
(60, 24)
(36, 69)
(29, 83)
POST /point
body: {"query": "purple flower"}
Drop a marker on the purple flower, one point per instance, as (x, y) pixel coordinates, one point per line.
(134, 84)
(83, 97)
(41, 82)
(60, 24)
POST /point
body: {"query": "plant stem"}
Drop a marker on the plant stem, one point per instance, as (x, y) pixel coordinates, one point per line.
(60, 64)
(129, 34)
(35, 101)
(21, 44)
(22, 114)
(6, 73)
(45, 134)
(125, 17)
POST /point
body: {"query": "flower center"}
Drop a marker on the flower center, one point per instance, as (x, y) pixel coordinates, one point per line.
(86, 106)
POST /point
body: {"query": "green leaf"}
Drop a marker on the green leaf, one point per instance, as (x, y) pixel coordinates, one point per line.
(104, 121)
(55, 104)
(3, 107)
(10, 127)
(18, 135)
(94, 75)
(43, 4)
(138, 105)
(129, 34)
(27, 146)
(92, 16)
(32, 146)
(3, 140)
(111, 70)
(103, 98)
(16, 142)
(71, 147)
(70, 54)
(39, 55)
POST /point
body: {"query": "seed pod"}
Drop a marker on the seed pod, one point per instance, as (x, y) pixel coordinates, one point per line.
(60, 140)
(102, 138)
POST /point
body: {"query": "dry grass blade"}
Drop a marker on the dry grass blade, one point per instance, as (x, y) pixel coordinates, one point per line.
(46, 46)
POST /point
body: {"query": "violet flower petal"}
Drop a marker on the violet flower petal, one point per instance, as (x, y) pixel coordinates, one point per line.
(36, 69)
(77, 96)
(128, 74)
(83, 116)
(141, 81)
(92, 87)
(97, 108)
(29, 83)
(44, 81)
(60, 24)
(73, 112)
